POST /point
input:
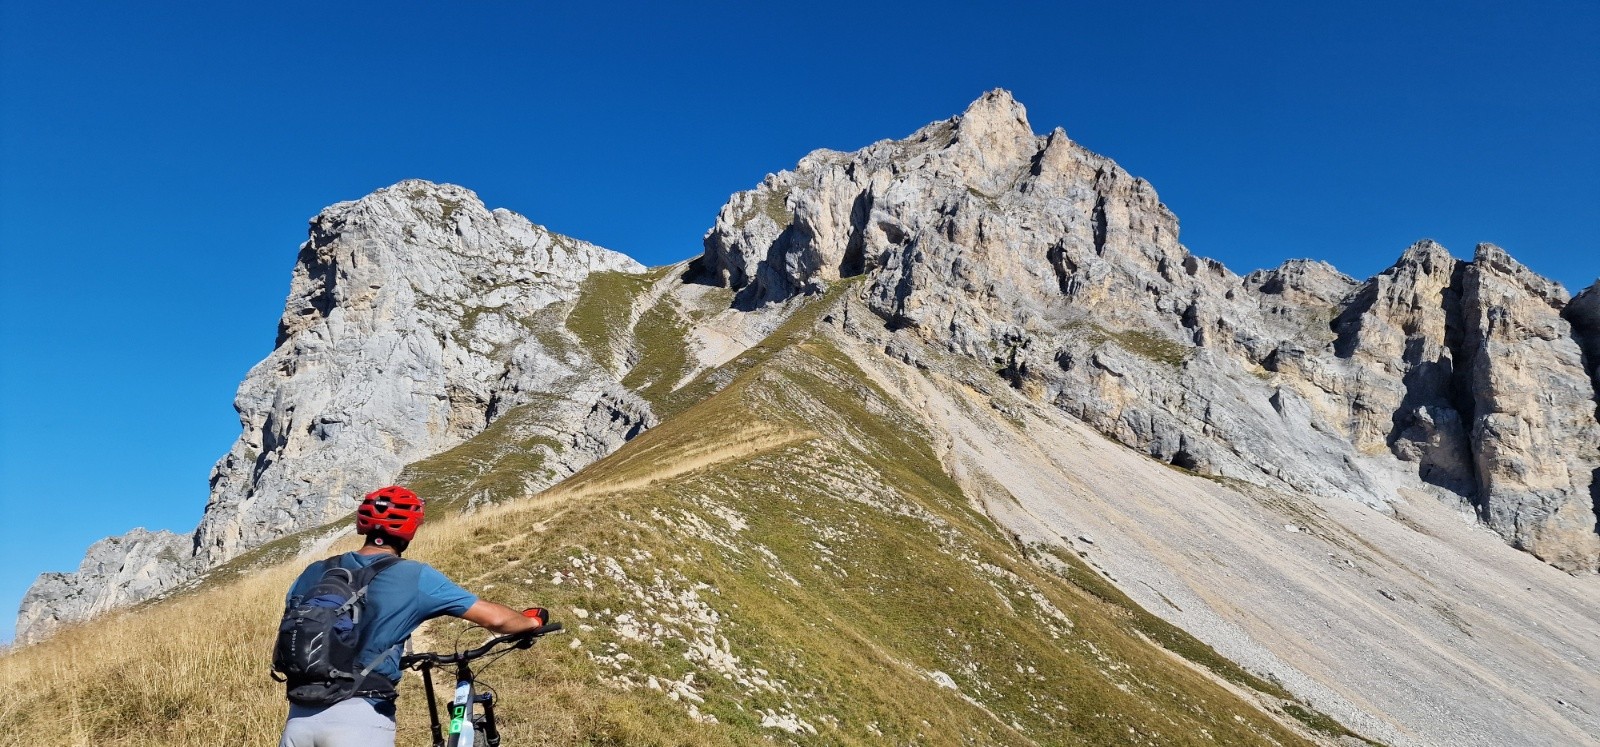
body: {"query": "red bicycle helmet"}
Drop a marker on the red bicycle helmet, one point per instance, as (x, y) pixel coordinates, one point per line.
(394, 510)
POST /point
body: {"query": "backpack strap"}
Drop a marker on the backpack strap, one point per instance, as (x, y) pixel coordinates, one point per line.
(361, 578)
(366, 685)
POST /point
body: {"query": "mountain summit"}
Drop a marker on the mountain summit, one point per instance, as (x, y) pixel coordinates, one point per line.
(946, 440)
(1051, 263)
(411, 323)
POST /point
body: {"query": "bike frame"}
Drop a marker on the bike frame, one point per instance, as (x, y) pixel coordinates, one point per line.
(465, 720)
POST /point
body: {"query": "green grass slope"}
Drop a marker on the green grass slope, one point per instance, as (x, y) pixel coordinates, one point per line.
(783, 560)
(786, 558)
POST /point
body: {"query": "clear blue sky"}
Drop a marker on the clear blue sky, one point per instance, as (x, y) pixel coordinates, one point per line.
(158, 163)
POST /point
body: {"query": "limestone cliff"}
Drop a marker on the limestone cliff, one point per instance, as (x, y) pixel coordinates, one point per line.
(409, 326)
(137, 565)
(412, 323)
(1063, 273)
(1536, 443)
(1584, 315)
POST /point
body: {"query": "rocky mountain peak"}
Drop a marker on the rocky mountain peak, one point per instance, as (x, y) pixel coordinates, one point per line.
(1058, 269)
(136, 565)
(996, 110)
(403, 334)
(995, 127)
(434, 247)
(1427, 254)
(412, 322)
(1304, 281)
(1489, 258)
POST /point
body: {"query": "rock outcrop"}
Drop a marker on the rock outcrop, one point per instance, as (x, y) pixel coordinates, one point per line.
(137, 565)
(1057, 269)
(1583, 313)
(1053, 266)
(1399, 338)
(1536, 444)
(409, 326)
(412, 323)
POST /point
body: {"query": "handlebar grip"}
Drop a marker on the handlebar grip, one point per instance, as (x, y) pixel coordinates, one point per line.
(545, 629)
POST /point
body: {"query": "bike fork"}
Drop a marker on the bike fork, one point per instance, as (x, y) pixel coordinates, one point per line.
(491, 734)
(433, 707)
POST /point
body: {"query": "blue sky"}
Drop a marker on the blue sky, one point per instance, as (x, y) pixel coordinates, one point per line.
(158, 163)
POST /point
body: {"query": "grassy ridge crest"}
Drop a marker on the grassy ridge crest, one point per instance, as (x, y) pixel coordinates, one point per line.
(784, 559)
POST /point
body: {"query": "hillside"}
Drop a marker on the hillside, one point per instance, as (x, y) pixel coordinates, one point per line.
(737, 574)
(944, 441)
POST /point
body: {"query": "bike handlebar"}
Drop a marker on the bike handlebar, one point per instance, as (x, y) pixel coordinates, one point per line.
(525, 638)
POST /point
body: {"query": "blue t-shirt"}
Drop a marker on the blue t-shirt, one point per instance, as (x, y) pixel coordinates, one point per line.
(400, 598)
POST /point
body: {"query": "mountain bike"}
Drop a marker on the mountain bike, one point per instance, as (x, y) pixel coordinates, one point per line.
(471, 712)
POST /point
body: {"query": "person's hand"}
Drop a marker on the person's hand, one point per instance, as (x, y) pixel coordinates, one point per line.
(539, 614)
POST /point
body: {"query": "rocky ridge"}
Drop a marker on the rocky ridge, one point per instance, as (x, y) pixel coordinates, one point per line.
(994, 292)
(115, 571)
(412, 322)
(1029, 255)
(1062, 272)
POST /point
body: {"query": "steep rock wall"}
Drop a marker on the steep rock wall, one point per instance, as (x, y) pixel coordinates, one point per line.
(411, 324)
(1064, 274)
(1536, 444)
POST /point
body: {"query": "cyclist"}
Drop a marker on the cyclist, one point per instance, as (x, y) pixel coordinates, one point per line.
(399, 598)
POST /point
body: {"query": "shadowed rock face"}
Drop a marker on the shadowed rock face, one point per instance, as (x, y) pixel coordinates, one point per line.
(1064, 274)
(1584, 316)
(409, 326)
(1583, 313)
(1404, 328)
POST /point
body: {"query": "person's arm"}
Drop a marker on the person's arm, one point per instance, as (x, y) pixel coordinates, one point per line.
(500, 618)
(441, 596)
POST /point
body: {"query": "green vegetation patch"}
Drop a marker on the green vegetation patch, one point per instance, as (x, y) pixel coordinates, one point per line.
(799, 326)
(1152, 346)
(602, 315)
(1169, 636)
(661, 345)
(776, 207)
(772, 203)
(509, 460)
(1146, 344)
(448, 208)
(1320, 722)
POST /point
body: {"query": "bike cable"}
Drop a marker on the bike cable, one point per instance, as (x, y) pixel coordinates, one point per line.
(457, 644)
(491, 662)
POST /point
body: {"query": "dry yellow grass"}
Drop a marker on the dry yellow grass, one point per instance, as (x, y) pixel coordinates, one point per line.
(191, 672)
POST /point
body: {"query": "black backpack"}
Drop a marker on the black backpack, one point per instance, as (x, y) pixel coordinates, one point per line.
(321, 635)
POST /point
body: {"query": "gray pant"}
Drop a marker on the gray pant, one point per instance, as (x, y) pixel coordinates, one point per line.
(351, 723)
